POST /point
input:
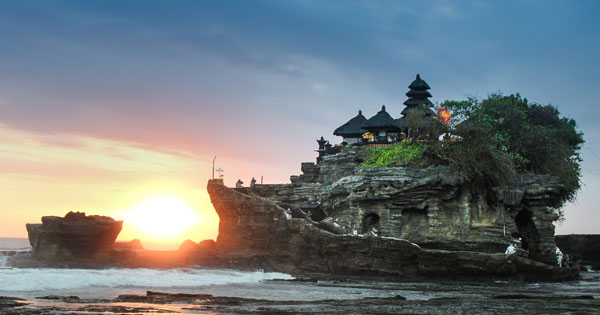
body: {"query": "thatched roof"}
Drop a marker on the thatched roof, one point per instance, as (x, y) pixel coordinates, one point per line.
(352, 128)
(418, 93)
(404, 123)
(419, 84)
(417, 101)
(381, 121)
(420, 110)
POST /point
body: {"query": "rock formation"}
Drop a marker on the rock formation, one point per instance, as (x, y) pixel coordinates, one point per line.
(435, 207)
(254, 229)
(134, 244)
(73, 236)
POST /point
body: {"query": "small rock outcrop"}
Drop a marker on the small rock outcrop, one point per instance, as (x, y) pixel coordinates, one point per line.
(134, 244)
(73, 236)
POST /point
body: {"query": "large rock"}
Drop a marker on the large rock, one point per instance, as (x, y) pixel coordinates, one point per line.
(435, 207)
(73, 236)
(254, 229)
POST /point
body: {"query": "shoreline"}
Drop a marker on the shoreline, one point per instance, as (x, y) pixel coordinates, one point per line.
(348, 295)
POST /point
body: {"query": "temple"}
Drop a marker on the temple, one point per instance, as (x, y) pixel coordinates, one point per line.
(382, 129)
(352, 131)
(418, 117)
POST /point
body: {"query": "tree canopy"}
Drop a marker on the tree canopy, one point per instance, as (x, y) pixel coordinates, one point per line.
(508, 129)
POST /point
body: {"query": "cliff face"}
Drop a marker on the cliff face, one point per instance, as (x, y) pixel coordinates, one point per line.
(255, 229)
(436, 208)
(73, 236)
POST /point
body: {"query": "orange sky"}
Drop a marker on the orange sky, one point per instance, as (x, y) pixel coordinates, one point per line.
(51, 174)
(107, 104)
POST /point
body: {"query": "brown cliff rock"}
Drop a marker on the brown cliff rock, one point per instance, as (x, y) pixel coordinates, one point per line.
(257, 230)
(436, 207)
(73, 236)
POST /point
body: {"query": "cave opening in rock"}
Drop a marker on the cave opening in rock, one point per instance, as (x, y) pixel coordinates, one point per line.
(371, 223)
(527, 230)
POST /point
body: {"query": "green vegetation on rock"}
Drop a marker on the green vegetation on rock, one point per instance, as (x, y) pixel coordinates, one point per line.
(494, 139)
(533, 137)
(397, 154)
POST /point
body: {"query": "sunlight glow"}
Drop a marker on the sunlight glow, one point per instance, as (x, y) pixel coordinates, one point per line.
(162, 216)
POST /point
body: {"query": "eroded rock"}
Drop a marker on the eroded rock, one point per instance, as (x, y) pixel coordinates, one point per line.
(435, 207)
(73, 236)
(257, 229)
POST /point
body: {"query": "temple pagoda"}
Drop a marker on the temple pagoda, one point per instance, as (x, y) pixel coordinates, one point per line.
(418, 116)
(351, 131)
(382, 126)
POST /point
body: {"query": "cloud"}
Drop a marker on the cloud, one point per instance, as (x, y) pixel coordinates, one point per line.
(44, 153)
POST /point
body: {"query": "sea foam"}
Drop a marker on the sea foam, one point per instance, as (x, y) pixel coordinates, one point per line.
(3, 262)
(25, 280)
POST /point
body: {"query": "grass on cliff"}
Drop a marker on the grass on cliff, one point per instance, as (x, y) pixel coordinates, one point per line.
(398, 154)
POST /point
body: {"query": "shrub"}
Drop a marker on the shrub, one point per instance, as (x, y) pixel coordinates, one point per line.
(397, 154)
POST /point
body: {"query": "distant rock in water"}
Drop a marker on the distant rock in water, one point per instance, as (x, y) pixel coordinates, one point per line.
(73, 236)
(133, 245)
(189, 246)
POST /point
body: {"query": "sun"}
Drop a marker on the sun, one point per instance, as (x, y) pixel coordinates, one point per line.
(161, 217)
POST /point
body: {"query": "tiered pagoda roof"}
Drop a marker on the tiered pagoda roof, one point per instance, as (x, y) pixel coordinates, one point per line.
(418, 93)
(352, 128)
(418, 104)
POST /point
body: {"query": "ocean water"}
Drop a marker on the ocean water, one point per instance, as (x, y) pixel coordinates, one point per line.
(7, 243)
(74, 280)
(279, 292)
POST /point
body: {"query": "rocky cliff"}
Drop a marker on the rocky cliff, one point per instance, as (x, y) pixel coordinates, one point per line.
(436, 207)
(254, 229)
(73, 236)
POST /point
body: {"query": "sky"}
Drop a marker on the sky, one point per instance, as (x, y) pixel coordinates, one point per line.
(107, 104)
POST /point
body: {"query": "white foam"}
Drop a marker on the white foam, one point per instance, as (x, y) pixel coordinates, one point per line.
(26, 280)
(3, 262)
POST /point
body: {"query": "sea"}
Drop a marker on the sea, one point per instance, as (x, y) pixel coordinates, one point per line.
(222, 291)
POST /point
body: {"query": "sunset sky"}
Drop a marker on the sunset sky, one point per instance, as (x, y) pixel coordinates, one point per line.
(107, 104)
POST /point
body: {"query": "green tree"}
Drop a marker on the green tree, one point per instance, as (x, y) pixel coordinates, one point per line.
(534, 136)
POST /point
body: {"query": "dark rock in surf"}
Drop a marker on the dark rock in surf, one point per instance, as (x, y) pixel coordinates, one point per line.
(73, 236)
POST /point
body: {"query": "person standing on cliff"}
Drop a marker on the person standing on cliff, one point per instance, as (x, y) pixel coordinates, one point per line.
(511, 249)
(559, 256)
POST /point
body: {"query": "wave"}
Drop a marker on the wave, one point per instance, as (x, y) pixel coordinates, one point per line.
(3, 262)
(25, 280)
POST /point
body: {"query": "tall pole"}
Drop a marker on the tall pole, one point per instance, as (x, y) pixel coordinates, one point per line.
(213, 175)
